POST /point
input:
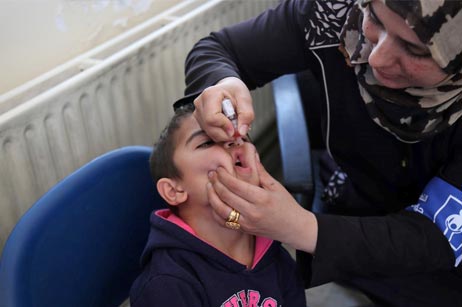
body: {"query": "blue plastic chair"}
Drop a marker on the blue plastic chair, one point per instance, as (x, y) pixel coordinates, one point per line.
(294, 143)
(299, 135)
(299, 159)
(80, 244)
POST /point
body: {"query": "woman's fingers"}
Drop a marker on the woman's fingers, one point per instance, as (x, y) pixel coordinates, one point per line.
(267, 210)
(209, 110)
(231, 189)
(209, 115)
(247, 198)
(223, 201)
(266, 180)
(221, 210)
(245, 113)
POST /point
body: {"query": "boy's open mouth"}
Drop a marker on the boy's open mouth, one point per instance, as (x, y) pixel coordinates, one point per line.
(241, 165)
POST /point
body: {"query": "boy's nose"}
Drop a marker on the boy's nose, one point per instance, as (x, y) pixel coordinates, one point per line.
(230, 144)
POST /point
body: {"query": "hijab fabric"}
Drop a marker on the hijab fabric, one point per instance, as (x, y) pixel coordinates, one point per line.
(415, 113)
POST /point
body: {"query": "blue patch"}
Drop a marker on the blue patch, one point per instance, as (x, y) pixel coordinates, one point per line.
(442, 203)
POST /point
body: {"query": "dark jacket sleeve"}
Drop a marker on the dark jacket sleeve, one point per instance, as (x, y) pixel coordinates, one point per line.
(393, 245)
(166, 291)
(256, 51)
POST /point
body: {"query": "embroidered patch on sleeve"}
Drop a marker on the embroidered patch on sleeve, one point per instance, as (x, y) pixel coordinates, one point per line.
(442, 203)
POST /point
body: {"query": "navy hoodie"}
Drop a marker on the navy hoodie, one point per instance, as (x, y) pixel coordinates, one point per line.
(179, 269)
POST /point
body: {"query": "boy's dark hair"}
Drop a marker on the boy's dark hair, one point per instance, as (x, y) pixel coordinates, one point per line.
(161, 159)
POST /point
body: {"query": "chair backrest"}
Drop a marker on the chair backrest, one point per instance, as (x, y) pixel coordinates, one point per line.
(300, 166)
(293, 139)
(80, 244)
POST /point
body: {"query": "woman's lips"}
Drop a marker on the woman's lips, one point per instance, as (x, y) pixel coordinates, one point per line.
(386, 76)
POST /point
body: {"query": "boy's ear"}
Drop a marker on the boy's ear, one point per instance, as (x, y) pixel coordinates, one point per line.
(171, 191)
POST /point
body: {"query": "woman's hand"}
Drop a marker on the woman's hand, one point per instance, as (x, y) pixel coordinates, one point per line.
(209, 113)
(267, 210)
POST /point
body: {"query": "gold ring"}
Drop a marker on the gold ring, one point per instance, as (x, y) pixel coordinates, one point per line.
(236, 219)
(233, 225)
(233, 216)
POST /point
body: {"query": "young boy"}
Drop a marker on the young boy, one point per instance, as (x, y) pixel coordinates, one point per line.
(190, 259)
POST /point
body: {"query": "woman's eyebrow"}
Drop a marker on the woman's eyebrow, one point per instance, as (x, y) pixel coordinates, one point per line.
(423, 48)
(410, 43)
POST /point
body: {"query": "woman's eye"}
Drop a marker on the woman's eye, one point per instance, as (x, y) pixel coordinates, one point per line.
(372, 17)
(206, 144)
(417, 52)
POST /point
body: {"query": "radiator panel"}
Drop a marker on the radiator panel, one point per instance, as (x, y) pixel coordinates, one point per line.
(113, 98)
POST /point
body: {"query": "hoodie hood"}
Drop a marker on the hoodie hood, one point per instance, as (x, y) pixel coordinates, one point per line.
(169, 232)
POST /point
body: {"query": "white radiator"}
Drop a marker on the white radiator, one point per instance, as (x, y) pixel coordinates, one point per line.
(118, 94)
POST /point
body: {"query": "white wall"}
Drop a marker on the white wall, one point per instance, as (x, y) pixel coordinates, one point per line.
(38, 35)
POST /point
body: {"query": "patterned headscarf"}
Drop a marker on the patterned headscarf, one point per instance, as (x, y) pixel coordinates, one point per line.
(412, 114)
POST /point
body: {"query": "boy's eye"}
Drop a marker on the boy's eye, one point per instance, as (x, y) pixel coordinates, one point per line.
(206, 144)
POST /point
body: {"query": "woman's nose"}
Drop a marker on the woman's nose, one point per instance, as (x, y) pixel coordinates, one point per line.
(384, 53)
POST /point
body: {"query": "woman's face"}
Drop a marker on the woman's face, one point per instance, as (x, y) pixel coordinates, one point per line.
(398, 58)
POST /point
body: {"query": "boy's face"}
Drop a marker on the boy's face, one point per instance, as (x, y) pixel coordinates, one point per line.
(196, 155)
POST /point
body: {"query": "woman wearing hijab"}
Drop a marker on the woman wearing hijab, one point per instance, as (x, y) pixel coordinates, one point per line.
(392, 100)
